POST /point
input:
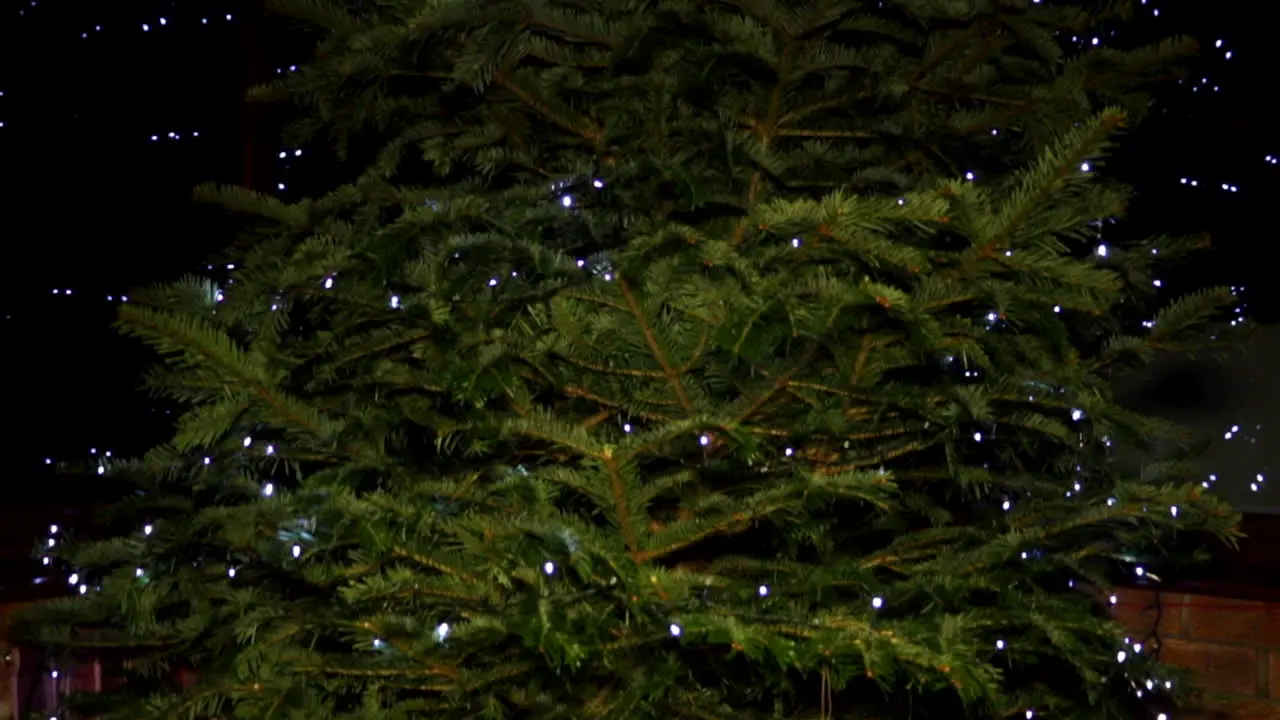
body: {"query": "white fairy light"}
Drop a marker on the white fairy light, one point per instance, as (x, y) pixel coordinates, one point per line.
(675, 630)
(297, 551)
(549, 567)
(442, 632)
(268, 489)
(1000, 645)
(763, 590)
(877, 602)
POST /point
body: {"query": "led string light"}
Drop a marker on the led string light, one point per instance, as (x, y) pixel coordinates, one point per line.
(567, 201)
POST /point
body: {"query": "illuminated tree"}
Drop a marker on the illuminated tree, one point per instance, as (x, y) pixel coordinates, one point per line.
(665, 363)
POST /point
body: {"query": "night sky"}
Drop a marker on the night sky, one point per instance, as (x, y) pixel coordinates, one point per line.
(113, 112)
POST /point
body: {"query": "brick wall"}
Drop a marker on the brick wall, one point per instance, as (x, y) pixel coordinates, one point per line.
(1233, 647)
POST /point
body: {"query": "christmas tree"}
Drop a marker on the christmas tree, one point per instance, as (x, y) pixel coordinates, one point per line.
(669, 359)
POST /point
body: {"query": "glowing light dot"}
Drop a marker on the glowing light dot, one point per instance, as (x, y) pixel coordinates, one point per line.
(999, 644)
(566, 201)
(231, 572)
(297, 551)
(763, 590)
(137, 572)
(1120, 656)
(877, 602)
(1102, 251)
(977, 437)
(789, 452)
(75, 578)
(1113, 599)
(549, 567)
(268, 490)
(147, 529)
(675, 630)
(705, 440)
(247, 442)
(442, 632)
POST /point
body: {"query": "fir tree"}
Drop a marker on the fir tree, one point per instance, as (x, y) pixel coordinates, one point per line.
(663, 363)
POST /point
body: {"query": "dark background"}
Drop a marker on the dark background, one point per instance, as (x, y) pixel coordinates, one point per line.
(92, 203)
